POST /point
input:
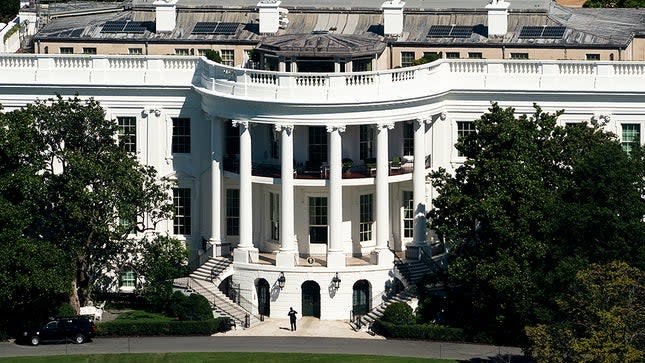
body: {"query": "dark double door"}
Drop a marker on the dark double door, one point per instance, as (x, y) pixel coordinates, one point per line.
(311, 299)
(264, 297)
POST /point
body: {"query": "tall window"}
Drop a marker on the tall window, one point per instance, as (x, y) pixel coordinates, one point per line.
(231, 139)
(127, 133)
(408, 138)
(128, 279)
(366, 142)
(274, 215)
(181, 201)
(408, 214)
(233, 212)
(317, 144)
(631, 136)
(275, 142)
(407, 58)
(464, 128)
(318, 219)
(228, 57)
(366, 216)
(181, 135)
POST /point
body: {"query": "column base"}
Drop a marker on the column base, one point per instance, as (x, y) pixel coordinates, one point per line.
(245, 255)
(286, 258)
(336, 259)
(381, 257)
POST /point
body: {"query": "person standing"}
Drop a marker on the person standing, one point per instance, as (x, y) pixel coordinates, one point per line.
(292, 318)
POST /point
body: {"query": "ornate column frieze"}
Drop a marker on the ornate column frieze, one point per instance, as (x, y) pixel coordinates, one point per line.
(238, 123)
(339, 128)
(385, 125)
(600, 118)
(286, 127)
(155, 110)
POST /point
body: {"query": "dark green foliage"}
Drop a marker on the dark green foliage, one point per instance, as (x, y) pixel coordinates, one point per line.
(418, 331)
(8, 10)
(213, 55)
(427, 58)
(533, 204)
(191, 307)
(614, 4)
(398, 313)
(154, 328)
(66, 310)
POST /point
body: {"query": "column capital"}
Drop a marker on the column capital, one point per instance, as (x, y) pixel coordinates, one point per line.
(600, 118)
(385, 125)
(283, 127)
(155, 110)
(442, 116)
(424, 119)
(238, 123)
(339, 128)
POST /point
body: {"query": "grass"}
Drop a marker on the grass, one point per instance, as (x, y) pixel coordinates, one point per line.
(221, 358)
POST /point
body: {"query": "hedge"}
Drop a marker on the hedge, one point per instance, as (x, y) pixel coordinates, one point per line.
(418, 331)
(154, 328)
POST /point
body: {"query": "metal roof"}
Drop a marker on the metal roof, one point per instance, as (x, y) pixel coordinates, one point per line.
(322, 45)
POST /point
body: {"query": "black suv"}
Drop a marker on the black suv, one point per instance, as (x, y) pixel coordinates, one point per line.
(77, 329)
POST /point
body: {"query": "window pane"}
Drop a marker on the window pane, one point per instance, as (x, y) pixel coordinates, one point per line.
(180, 135)
(408, 214)
(182, 220)
(407, 58)
(464, 128)
(233, 212)
(317, 144)
(127, 133)
(631, 136)
(408, 138)
(366, 216)
(228, 57)
(317, 219)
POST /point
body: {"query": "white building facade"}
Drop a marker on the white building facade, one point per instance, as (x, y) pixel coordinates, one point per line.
(307, 178)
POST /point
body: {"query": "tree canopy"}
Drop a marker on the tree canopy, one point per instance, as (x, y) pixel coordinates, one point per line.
(73, 195)
(614, 4)
(533, 204)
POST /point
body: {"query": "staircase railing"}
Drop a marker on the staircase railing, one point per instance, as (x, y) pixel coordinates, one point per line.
(199, 259)
(426, 258)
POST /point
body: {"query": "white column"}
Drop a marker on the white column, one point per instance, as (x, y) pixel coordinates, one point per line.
(288, 248)
(244, 248)
(335, 254)
(215, 237)
(419, 183)
(382, 253)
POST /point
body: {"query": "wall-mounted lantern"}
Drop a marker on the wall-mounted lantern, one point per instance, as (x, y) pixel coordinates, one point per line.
(336, 281)
(281, 280)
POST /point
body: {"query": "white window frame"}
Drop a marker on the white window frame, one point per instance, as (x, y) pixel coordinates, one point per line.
(407, 215)
(366, 217)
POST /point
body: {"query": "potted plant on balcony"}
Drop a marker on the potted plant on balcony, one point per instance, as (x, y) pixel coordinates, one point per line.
(347, 164)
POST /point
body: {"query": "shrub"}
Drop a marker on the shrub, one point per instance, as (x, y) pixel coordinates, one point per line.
(155, 328)
(418, 331)
(398, 313)
(213, 56)
(66, 310)
(192, 307)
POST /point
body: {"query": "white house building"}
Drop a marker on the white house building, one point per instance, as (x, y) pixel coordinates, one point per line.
(315, 183)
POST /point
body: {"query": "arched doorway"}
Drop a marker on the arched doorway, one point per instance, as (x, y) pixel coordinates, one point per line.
(311, 299)
(264, 297)
(361, 297)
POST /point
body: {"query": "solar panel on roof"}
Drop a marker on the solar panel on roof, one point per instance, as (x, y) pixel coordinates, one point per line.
(76, 33)
(204, 27)
(226, 28)
(460, 31)
(135, 27)
(555, 32)
(113, 26)
(531, 31)
(439, 31)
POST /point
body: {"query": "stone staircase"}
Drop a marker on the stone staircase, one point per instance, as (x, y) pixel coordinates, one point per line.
(365, 322)
(205, 281)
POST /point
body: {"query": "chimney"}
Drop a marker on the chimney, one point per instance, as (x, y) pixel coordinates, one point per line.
(269, 16)
(393, 17)
(166, 15)
(497, 17)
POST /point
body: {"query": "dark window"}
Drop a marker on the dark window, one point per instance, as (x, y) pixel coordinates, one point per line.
(407, 58)
(475, 55)
(275, 142)
(593, 57)
(408, 138)
(318, 219)
(180, 135)
(233, 212)
(232, 140)
(464, 128)
(631, 136)
(366, 142)
(89, 50)
(181, 201)
(452, 55)
(127, 133)
(408, 214)
(317, 144)
(519, 56)
(66, 50)
(366, 216)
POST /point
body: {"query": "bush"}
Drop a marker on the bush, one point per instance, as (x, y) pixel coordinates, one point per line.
(213, 56)
(66, 310)
(398, 313)
(418, 331)
(155, 328)
(192, 307)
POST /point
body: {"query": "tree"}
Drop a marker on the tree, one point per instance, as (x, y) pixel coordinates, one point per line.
(605, 319)
(614, 4)
(91, 193)
(533, 204)
(8, 10)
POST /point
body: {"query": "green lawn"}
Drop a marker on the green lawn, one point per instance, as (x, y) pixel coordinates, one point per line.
(221, 358)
